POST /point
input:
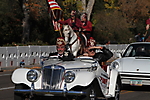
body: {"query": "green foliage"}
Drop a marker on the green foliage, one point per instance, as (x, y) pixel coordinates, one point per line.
(69, 5)
(111, 4)
(119, 20)
(98, 6)
(41, 28)
(111, 26)
(113, 20)
(10, 21)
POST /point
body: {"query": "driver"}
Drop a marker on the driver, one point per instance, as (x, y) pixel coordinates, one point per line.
(62, 51)
(60, 46)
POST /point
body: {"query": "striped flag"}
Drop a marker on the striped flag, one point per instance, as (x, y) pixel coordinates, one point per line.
(55, 13)
(53, 5)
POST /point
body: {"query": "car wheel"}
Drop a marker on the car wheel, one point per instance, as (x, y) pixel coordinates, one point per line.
(19, 96)
(117, 92)
(90, 93)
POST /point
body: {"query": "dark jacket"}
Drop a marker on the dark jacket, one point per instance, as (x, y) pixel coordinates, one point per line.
(104, 55)
(66, 56)
(56, 54)
(53, 54)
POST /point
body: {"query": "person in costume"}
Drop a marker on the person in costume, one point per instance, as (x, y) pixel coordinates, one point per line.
(73, 21)
(86, 26)
(60, 46)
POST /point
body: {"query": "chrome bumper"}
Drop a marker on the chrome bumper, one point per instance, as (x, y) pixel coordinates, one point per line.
(126, 77)
(51, 92)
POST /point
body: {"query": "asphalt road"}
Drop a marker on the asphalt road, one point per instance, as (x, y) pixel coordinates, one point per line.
(128, 93)
(6, 86)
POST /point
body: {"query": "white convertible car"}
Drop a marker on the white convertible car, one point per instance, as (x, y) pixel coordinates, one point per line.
(79, 79)
(134, 65)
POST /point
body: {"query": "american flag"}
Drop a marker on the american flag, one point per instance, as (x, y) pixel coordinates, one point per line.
(53, 5)
(55, 13)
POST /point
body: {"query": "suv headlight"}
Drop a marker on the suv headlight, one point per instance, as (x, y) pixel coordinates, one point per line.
(114, 65)
(69, 76)
(32, 75)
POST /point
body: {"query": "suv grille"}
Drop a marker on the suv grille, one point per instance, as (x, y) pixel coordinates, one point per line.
(52, 77)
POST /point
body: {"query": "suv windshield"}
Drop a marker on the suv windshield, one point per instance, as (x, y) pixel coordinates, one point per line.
(134, 50)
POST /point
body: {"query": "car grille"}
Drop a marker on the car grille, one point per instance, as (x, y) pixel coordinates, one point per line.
(52, 77)
(135, 75)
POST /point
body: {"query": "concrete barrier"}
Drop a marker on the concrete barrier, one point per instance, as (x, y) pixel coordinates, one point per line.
(30, 55)
(34, 52)
(23, 54)
(3, 57)
(11, 56)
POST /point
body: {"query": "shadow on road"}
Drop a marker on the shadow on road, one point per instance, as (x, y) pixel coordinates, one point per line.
(136, 88)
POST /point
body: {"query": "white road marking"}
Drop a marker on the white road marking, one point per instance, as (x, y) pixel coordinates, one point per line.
(5, 74)
(7, 88)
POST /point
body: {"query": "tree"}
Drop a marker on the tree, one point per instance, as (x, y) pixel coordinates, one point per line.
(134, 9)
(110, 26)
(28, 20)
(88, 7)
(36, 23)
(78, 5)
(136, 12)
(10, 21)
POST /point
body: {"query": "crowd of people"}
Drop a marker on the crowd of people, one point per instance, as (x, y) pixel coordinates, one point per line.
(139, 37)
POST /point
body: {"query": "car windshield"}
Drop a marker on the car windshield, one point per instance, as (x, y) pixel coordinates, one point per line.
(134, 50)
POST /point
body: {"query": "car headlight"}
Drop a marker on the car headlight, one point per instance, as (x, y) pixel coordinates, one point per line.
(32, 75)
(69, 76)
(94, 67)
(114, 65)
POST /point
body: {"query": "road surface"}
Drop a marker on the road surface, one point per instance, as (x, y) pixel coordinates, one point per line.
(128, 93)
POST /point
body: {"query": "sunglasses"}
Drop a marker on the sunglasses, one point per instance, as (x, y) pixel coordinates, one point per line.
(92, 50)
(61, 47)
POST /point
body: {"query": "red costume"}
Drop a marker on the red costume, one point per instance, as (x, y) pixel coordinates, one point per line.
(147, 24)
(75, 25)
(74, 22)
(148, 21)
(91, 42)
(86, 26)
(147, 37)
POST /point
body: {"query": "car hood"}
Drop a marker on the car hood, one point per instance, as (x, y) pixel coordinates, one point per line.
(134, 64)
(75, 64)
(70, 64)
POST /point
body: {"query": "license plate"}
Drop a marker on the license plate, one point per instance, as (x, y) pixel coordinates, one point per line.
(136, 82)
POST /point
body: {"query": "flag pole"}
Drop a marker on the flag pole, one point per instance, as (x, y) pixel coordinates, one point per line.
(57, 22)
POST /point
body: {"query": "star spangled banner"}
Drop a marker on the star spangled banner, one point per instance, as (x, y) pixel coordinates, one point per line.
(55, 12)
(53, 5)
